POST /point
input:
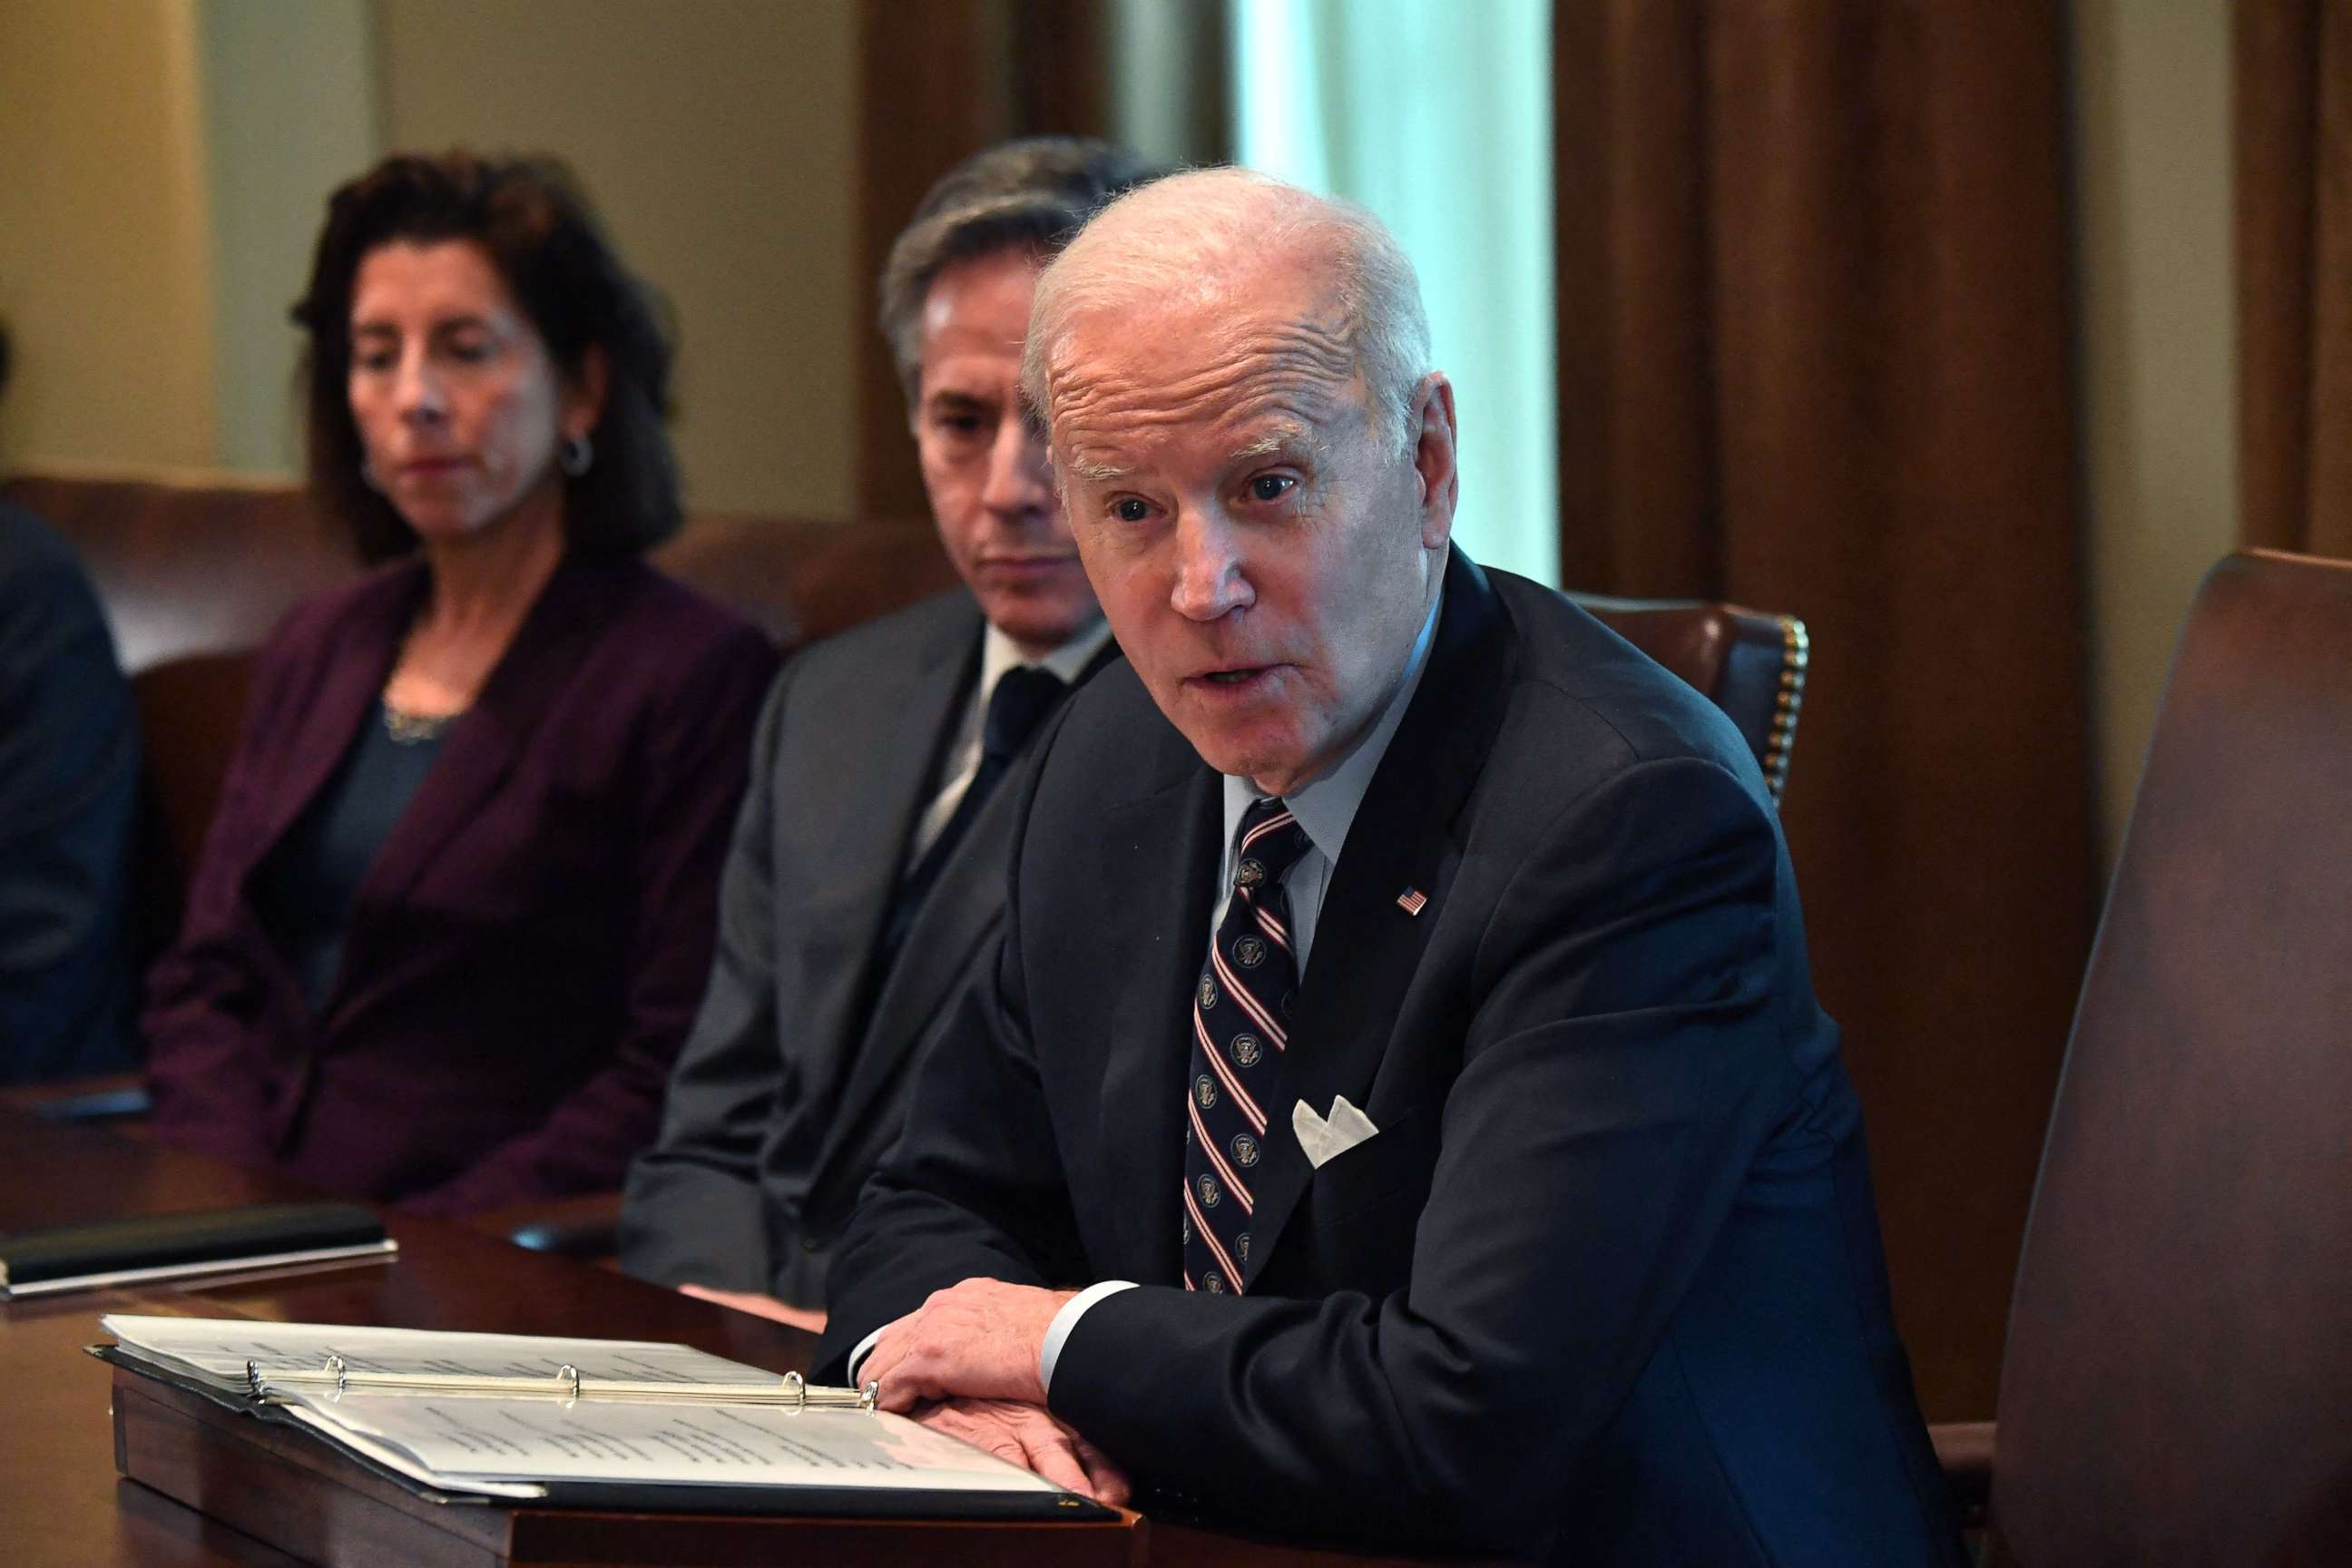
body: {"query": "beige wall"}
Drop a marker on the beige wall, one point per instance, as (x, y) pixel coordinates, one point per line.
(718, 138)
(163, 166)
(2158, 364)
(289, 96)
(104, 237)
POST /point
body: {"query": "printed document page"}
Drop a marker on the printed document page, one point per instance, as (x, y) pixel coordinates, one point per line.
(473, 1442)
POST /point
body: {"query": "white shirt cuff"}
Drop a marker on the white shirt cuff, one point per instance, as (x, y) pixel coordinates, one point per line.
(864, 1347)
(1057, 1332)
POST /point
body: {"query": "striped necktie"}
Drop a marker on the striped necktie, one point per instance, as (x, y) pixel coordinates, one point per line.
(1241, 1024)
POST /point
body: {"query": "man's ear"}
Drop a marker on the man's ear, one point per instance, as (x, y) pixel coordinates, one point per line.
(584, 393)
(1434, 451)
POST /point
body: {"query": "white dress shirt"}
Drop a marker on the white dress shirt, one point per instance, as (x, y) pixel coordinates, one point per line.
(1326, 809)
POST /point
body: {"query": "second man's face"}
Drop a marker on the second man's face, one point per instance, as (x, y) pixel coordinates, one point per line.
(991, 492)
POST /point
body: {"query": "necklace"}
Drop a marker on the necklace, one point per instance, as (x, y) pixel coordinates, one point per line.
(414, 728)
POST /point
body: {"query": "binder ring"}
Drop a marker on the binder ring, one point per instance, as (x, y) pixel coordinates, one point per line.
(341, 1371)
(570, 1376)
(797, 1386)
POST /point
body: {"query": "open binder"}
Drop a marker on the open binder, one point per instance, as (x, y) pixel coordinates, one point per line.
(603, 1423)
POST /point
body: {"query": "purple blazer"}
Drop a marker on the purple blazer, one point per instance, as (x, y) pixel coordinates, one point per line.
(525, 954)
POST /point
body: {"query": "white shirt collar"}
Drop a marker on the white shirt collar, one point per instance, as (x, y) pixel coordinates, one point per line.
(999, 653)
(1326, 807)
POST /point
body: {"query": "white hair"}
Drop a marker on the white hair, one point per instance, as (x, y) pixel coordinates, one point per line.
(1191, 238)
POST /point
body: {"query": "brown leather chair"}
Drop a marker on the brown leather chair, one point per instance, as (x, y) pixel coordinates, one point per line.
(1749, 663)
(2178, 1382)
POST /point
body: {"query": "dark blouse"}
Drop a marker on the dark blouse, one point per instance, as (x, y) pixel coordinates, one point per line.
(304, 892)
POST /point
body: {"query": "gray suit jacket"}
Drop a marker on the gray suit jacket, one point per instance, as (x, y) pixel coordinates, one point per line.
(790, 1085)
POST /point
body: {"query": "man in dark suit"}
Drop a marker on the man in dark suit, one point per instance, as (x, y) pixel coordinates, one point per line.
(69, 799)
(1398, 1112)
(866, 866)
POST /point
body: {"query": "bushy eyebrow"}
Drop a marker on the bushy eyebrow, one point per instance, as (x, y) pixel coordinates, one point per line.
(1290, 436)
(1096, 472)
(1295, 438)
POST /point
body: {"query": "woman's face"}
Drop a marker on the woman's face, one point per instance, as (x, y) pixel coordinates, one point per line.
(460, 408)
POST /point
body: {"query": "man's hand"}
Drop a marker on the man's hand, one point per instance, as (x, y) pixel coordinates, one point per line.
(1031, 1438)
(759, 1306)
(979, 1339)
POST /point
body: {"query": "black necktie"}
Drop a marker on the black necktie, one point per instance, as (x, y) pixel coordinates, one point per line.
(1025, 695)
(1241, 1027)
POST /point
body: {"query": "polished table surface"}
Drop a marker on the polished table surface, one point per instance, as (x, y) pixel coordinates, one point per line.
(61, 1502)
(62, 1505)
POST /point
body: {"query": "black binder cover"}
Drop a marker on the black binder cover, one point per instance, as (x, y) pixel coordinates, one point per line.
(35, 1257)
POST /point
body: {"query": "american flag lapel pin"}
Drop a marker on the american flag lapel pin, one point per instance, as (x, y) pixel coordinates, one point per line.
(1412, 901)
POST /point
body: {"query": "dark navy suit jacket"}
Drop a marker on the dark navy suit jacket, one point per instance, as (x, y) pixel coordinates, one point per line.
(523, 957)
(69, 795)
(1606, 1286)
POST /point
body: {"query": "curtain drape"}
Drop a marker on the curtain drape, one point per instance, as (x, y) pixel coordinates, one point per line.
(938, 82)
(1436, 118)
(1813, 342)
(2293, 162)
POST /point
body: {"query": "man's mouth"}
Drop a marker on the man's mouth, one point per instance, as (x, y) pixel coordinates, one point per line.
(1239, 677)
(1024, 565)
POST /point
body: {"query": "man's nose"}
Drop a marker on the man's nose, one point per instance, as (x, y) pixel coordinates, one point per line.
(1018, 479)
(1210, 581)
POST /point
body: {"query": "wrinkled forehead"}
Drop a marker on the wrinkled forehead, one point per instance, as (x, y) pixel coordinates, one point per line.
(1123, 386)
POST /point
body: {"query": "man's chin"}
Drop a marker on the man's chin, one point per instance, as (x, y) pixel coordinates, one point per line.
(1242, 755)
(1036, 627)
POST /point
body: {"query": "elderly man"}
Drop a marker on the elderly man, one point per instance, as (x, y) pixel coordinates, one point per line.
(866, 873)
(1398, 1112)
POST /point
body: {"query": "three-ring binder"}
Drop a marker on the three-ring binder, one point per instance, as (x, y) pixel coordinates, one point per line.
(793, 1391)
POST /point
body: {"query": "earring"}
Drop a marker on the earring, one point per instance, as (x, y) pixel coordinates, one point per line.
(575, 455)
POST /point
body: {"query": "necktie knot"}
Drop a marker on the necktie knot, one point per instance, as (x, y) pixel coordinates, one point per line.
(1268, 843)
(1025, 695)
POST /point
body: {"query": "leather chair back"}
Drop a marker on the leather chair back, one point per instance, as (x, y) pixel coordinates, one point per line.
(2177, 1384)
(1749, 663)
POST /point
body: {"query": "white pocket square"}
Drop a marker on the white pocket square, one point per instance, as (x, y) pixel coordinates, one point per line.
(1323, 1137)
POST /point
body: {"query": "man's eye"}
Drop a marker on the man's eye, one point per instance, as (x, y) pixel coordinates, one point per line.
(469, 350)
(377, 360)
(1130, 509)
(1271, 486)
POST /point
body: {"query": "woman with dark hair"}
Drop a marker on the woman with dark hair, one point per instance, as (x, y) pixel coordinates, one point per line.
(455, 911)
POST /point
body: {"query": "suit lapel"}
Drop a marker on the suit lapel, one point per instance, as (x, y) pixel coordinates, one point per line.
(1160, 873)
(902, 735)
(360, 648)
(484, 743)
(966, 902)
(1405, 837)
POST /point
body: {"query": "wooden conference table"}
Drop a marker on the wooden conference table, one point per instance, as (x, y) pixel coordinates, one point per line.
(62, 1504)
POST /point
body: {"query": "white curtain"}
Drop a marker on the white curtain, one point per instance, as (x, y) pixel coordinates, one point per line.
(1436, 114)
